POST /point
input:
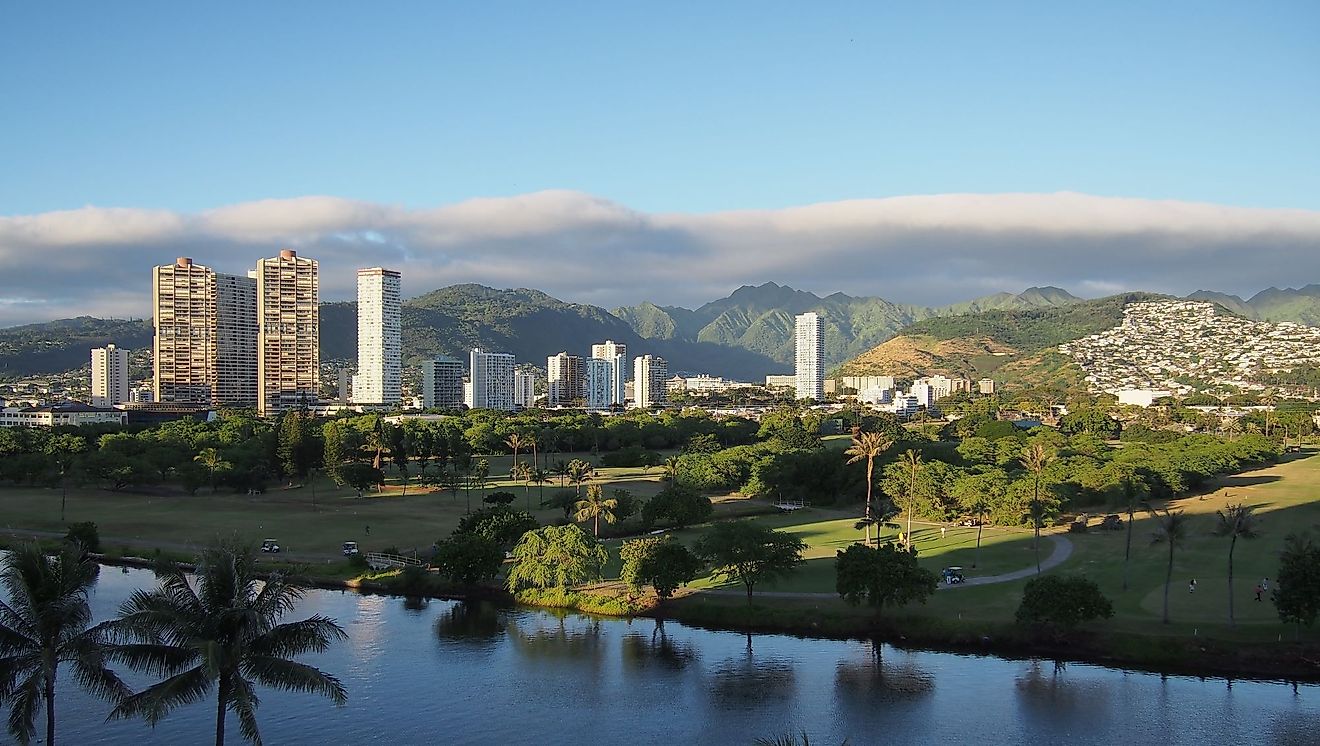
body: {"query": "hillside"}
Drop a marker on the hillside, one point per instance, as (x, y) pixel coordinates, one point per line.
(527, 323)
(57, 346)
(1015, 347)
(760, 318)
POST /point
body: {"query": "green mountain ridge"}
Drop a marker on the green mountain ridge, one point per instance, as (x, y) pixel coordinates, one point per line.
(745, 335)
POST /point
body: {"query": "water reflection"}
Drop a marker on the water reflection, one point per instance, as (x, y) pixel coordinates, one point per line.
(550, 637)
(869, 679)
(1047, 689)
(657, 649)
(470, 621)
(749, 680)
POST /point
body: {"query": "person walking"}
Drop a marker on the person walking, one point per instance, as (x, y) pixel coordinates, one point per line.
(943, 531)
(1265, 585)
(368, 530)
(1259, 590)
(1191, 586)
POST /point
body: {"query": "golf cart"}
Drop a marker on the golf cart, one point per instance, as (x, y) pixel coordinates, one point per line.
(952, 575)
(270, 545)
(350, 548)
(1112, 522)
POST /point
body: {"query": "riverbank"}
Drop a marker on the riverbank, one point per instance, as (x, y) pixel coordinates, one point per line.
(1166, 653)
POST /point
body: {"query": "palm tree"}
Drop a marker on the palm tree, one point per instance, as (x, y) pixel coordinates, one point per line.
(43, 625)
(480, 474)
(1130, 494)
(213, 461)
(1170, 527)
(980, 506)
(1035, 459)
(523, 473)
(224, 634)
(595, 507)
(540, 477)
(579, 471)
(1235, 521)
(912, 460)
(672, 466)
(514, 442)
(867, 446)
(1269, 400)
(560, 469)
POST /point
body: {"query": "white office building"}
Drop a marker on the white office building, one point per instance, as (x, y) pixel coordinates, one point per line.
(491, 376)
(616, 354)
(650, 377)
(109, 376)
(524, 389)
(863, 383)
(598, 383)
(809, 341)
(987, 386)
(380, 365)
(442, 383)
(924, 394)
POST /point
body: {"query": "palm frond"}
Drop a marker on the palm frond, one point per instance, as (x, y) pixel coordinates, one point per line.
(24, 701)
(156, 701)
(311, 635)
(244, 702)
(279, 673)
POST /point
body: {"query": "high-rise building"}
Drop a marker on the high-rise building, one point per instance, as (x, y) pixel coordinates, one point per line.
(563, 380)
(109, 376)
(380, 365)
(183, 299)
(598, 383)
(862, 383)
(616, 354)
(288, 332)
(987, 386)
(236, 340)
(650, 375)
(442, 383)
(524, 389)
(810, 356)
(492, 380)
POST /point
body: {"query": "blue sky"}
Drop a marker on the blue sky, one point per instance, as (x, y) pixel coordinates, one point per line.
(689, 107)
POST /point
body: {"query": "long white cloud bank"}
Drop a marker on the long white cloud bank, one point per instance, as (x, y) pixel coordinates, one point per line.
(920, 249)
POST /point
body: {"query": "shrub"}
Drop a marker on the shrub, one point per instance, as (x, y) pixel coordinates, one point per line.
(679, 505)
(499, 523)
(468, 559)
(499, 498)
(86, 535)
(1062, 602)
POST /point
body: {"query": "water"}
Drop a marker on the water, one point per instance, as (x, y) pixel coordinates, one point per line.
(447, 672)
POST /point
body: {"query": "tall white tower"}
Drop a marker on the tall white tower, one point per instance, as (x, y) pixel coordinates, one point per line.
(380, 365)
(491, 380)
(810, 356)
(109, 376)
(649, 377)
(616, 354)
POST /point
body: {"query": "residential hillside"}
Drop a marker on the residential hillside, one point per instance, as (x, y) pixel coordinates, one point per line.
(1188, 346)
(760, 318)
(1015, 347)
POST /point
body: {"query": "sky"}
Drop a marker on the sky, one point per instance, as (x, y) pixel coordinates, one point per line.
(618, 152)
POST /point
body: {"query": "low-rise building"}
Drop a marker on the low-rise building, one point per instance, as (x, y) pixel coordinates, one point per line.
(60, 415)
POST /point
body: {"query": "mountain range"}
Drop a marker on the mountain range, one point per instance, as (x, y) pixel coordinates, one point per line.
(745, 335)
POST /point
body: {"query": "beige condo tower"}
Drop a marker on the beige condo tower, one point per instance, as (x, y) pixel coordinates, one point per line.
(288, 333)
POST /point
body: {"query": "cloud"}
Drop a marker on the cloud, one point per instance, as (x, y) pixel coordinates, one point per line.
(929, 249)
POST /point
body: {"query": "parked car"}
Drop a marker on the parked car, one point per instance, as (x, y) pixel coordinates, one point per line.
(270, 545)
(350, 548)
(972, 522)
(1112, 522)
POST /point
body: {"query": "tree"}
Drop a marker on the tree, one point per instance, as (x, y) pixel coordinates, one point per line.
(44, 625)
(595, 507)
(579, 472)
(1062, 602)
(749, 553)
(682, 506)
(1235, 521)
(481, 473)
(225, 633)
(1034, 459)
(888, 574)
(359, 476)
(400, 446)
(868, 446)
(556, 556)
(213, 461)
(501, 524)
(468, 559)
(912, 462)
(85, 535)
(661, 562)
(1170, 528)
(1130, 493)
(514, 442)
(1296, 592)
(296, 447)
